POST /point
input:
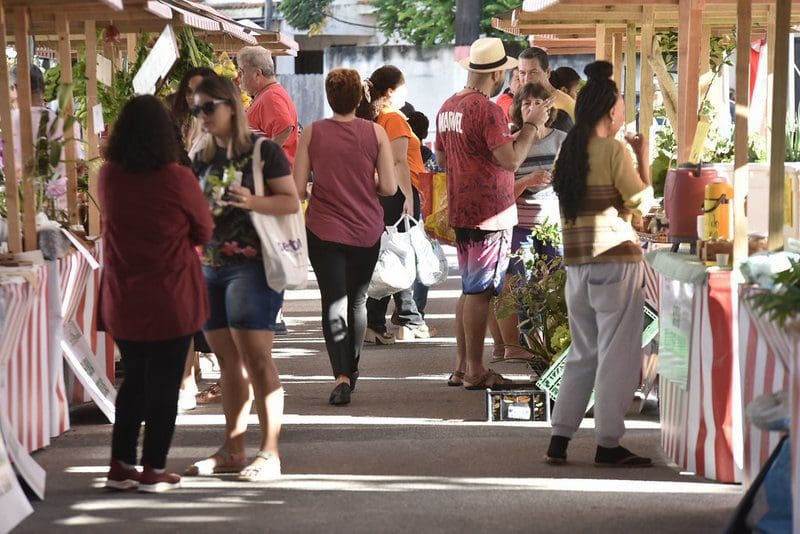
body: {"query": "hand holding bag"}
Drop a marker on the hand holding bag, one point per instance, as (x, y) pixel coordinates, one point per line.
(396, 269)
(284, 248)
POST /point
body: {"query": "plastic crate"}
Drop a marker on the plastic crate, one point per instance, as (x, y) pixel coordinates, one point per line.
(517, 405)
(550, 381)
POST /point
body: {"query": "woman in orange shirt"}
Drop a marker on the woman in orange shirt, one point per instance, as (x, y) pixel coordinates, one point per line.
(386, 95)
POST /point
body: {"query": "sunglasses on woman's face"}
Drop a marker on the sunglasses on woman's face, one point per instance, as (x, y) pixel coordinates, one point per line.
(207, 108)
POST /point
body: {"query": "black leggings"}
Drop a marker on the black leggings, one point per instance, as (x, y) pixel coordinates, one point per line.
(343, 275)
(149, 393)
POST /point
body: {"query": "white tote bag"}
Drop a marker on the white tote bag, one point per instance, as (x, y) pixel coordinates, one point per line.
(432, 267)
(283, 238)
(396, 269)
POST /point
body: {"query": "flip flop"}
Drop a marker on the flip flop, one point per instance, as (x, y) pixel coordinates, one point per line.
(219, 462)
(210, 395)
(488, 379)
(269, 469)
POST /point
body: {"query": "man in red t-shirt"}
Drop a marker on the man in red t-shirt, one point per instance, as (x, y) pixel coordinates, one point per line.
(474, 145)
(272, 112)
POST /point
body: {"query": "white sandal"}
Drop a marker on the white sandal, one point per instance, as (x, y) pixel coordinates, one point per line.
(269, 469)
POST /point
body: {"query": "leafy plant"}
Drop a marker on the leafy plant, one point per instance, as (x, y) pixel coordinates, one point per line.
(305, 14)
(783, 303)
(793, 141)
(539, 297)
(432, 22)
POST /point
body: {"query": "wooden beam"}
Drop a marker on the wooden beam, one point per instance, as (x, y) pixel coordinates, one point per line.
(26, 133)
(617, 56)
(741, 174)
(771, 31)
(12, 195)
(777, 174)
(705, 56)
(600, 43)
(630, 78)
(689, 37)
(646, 91)
(92, 148)
(130, 47)
(71, 146)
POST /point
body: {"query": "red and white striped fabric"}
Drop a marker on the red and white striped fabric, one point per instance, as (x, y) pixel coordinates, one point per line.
(794, 389)
(27, 396)
(672, 413)
(763, 372)
(651, 289)
(702, 424)
(83, 308)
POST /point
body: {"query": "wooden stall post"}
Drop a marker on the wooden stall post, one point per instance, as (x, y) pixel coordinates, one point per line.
(741, 176)
(71, 147)
(21, 27)
(12, 194)
(646, 87)
(617, 56)
(771, 29)
(92, 147)
(705, 56)
(130, 47)
(630, 78)
(601, 53)
(690, 17)
(777, 157)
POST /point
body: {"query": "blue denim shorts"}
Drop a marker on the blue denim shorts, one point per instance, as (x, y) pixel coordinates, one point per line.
(239, 297)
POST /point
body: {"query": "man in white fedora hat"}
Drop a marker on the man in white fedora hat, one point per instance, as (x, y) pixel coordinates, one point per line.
(479, 154)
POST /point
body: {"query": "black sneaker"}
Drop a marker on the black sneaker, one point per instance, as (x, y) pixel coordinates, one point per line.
(557, 451)
(619, 457)
(340, 394)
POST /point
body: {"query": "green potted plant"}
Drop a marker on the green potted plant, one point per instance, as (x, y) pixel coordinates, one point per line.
(538, 297)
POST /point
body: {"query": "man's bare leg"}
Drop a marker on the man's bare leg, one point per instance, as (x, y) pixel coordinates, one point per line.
(475, 315)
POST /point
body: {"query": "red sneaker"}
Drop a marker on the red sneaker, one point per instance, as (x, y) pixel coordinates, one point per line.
(152, 482)
(122, 478)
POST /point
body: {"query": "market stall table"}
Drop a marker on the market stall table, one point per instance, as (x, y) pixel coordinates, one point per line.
(699, 386)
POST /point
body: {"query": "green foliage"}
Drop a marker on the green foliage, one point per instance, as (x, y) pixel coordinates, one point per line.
(432, 22)
(666, 147)
(783, 303)
(793, 141)
(305, 14)
(539, 296)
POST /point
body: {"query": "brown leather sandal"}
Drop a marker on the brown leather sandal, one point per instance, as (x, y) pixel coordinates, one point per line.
(456, 379)
(489, 379)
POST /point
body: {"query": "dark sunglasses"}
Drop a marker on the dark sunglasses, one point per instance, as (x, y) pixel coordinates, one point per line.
(209, 107)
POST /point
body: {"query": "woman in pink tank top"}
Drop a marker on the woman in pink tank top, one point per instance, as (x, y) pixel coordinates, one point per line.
(344, 219)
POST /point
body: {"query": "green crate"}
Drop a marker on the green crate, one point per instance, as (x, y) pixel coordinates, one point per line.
(550, 381)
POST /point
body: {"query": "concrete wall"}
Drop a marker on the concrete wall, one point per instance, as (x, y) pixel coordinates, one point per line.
(308, 93)
(432, 75)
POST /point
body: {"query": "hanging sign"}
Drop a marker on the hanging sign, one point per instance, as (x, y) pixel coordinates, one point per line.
(82, 362)
(104, 70)
(158, 63)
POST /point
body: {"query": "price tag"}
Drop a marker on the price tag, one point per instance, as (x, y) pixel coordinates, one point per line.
(519, 411)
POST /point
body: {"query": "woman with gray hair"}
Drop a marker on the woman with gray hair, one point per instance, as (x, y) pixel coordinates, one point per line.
(272, 112)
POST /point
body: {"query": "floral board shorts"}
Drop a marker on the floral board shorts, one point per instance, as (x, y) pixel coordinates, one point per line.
(482, 259)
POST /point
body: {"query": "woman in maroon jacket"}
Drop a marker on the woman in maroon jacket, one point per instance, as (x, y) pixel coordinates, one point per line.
(152, 295)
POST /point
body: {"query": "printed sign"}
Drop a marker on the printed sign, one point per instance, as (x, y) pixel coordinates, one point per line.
(105, 70)
(158, 63)
(29, 470)
(676, 301)
(13, 503)
(83, 363)
(97, 117)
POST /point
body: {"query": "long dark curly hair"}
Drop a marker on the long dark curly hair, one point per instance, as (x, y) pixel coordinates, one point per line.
(143, 138)
(379, 83)
(594, 103)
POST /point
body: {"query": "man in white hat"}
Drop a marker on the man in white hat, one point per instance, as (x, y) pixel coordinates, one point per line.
(480, 155)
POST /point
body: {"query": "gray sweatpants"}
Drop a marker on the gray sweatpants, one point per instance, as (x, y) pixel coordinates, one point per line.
(605, 302)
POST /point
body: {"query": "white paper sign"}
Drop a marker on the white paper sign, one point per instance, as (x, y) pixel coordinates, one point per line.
(82, 361)
(97, 117)
(158, 63)
(105, 70)
(13, 503)
(29, 470)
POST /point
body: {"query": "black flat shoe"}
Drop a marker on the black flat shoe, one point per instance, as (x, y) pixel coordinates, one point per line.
(340, 394)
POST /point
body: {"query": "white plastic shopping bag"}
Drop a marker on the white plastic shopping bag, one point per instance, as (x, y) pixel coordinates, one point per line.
(432, 268)
(396, 269)
(283, 239)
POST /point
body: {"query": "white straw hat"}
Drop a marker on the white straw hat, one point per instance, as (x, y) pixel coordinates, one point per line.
(488, 55)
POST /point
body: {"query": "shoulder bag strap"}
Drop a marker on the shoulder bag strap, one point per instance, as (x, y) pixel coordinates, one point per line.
(258, 170)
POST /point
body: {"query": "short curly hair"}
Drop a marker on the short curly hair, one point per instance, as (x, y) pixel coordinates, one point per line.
(343, 90)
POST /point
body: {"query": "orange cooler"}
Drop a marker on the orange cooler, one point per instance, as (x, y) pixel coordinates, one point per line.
(717, 208)
(684, 197)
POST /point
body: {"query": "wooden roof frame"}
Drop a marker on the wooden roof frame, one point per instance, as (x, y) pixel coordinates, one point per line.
(695, 20)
